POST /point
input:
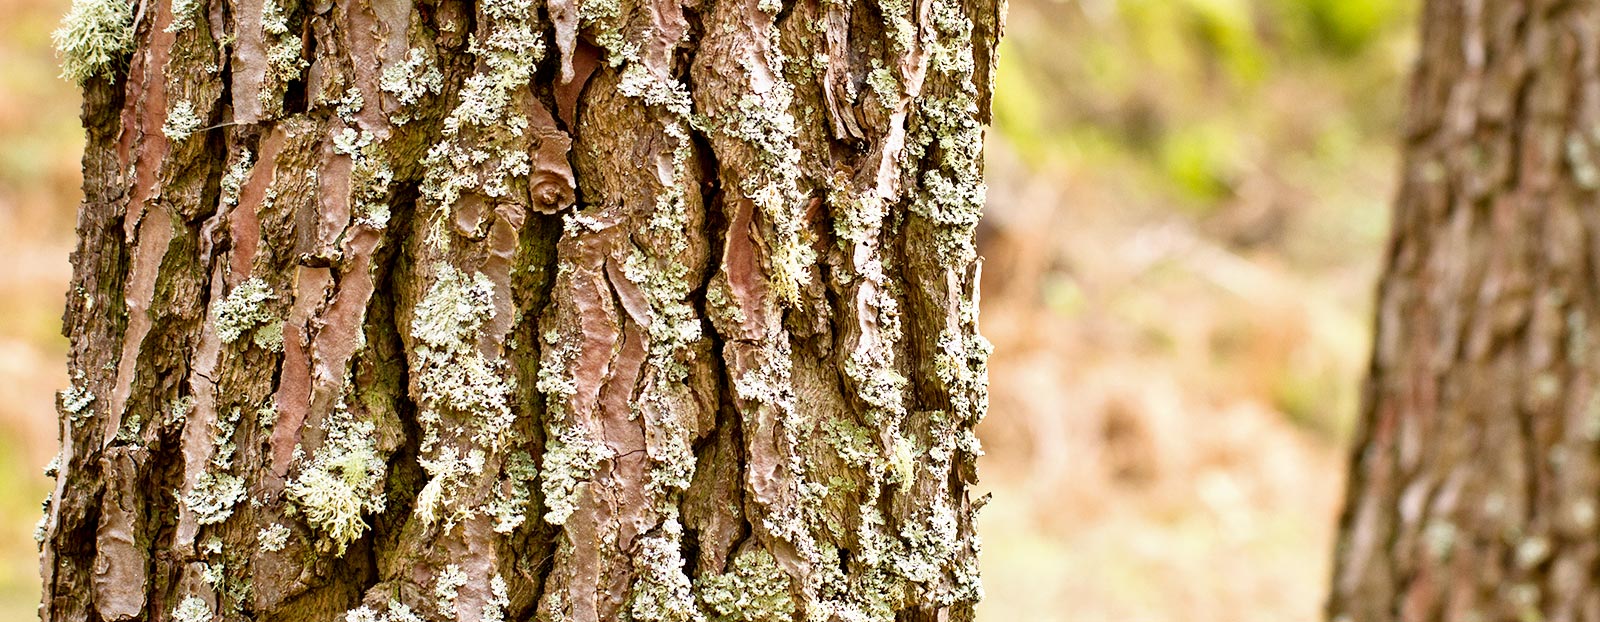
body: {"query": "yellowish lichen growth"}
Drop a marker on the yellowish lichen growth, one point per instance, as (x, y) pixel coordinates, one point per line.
(343, 480)
(95, 37)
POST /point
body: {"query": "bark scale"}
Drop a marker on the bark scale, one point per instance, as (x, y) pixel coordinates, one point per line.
(508, 310)
(1476, 477)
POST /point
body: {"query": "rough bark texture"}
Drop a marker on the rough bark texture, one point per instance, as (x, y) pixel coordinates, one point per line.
(654, 310)
(1476, 478)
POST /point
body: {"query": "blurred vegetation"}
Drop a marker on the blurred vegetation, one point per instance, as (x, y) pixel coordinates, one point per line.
(1188, 202)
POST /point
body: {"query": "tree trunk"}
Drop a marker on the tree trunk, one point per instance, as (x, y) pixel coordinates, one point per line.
(1475, 482)
(503, 310)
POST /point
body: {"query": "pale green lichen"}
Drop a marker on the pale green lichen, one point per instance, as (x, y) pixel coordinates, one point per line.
(350, 141)
(76, 400)
(182, 121)
(448, 475)
(410, 82)
(192, 609)
(343, 481)
(269, 336)
(453, 374)
(445, 586)
(396, 612)
(883, 83)
(570, 460)
(763, 121)
(662, 592)
(216, 491)
(347, 106)
(233, 180)
(183, 15)
(512, 498)
(244, 310)
(493, 156)
(95, 38)
(952, 191)
(273, 538)
(755, 589)
(213, 497)
(499, 599)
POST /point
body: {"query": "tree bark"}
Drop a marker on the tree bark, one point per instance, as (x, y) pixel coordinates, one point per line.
(1476, 475)
(507, 310)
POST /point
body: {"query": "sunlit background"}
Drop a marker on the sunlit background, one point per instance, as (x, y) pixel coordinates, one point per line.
(1188, 204)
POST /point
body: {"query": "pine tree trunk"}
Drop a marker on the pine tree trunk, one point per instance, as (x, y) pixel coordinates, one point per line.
(1475, 482)
(503, 310)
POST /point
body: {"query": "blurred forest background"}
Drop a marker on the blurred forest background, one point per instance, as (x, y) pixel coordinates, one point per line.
(1188, 207)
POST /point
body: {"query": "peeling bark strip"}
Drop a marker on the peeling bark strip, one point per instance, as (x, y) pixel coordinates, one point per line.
(508, 310)
(1475, 486)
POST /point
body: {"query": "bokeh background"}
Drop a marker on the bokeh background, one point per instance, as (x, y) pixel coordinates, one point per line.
(1188, 206)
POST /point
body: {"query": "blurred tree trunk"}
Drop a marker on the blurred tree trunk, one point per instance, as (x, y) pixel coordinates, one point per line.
(1476, 477)
(438, 309)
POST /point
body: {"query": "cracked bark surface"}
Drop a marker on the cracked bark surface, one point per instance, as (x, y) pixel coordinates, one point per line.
(1476, 473)
(520, 310)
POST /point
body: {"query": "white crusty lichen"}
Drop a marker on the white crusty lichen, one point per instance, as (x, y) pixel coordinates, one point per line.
(662, 592)
(570, 460)
(216, 491)
(76, 400)
(410, 82)
(244, 310)
(273, 538)
(183, 14)
(453, 373)
(493, 154)
(182, 121)
(445, 585)
(755, 589)
(343, 480)
(94, 38)
(512, 498)
(192, 609)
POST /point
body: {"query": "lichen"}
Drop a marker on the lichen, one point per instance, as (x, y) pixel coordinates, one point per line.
(951, 191)
(343, 480)
(76, 400)
(273, 538)
(453, 375)
(755, 589)
(662, 592)
(182, 121)
(233, 180)
(216, 491)
(410, 82)
(243, 310)
(499, 599)
(512, 498)
(445, 585)
(183, 15)
(192, 609)
(570, 460)
(482, 148)
(95, 38)
(213, 497)
(396, 612)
